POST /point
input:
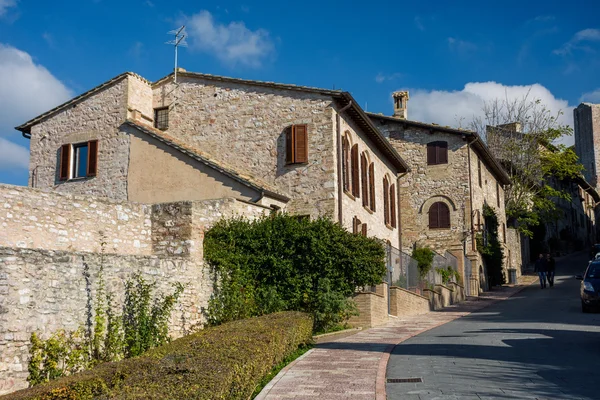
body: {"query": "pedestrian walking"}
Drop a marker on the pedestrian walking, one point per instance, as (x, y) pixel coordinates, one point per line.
(541, 267)
(551, 266)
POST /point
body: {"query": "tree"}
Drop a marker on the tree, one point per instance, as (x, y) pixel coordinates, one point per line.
(521, 134)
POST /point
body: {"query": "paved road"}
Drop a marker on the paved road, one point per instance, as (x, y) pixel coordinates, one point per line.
(535, 345)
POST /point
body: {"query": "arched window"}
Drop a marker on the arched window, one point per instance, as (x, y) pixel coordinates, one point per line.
(354, 182)
(439, 216)
(364, 180)
(346, 163)
(437, 153)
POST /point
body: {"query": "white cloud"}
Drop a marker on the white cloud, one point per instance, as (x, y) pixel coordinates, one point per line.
(460, 107)
(30, 89)
(462, 46)
(232, 44)
(380, 78)
(586, 35)
(13, 156)
(591, 97)
(6, 4)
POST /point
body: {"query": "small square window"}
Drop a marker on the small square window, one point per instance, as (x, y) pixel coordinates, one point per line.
(80, 160)
(161, 118)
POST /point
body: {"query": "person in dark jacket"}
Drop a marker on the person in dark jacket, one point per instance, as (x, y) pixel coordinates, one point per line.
(551, 266)
(541, 267)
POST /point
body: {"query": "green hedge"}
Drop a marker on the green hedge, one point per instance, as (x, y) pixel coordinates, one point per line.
(222, 362)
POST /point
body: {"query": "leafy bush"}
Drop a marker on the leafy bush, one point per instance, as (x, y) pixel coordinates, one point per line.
(107, 335)
(448, 274)
(223, 362)
(424, 258)
(282, 263)
(490, 247)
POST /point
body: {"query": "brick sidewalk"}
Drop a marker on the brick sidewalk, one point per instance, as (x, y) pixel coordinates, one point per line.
(354, 367)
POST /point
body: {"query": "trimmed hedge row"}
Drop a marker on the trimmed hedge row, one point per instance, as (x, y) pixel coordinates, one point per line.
(223, 362)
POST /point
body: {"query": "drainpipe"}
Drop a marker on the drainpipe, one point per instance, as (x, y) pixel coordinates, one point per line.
(339, 160)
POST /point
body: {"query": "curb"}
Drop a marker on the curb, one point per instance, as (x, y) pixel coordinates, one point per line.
(380, 392)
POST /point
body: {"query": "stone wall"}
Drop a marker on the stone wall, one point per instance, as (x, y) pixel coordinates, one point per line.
(404, 302)
(372, 308)
(243, 126)
(31, 218)
(43, 291)
(97, 117)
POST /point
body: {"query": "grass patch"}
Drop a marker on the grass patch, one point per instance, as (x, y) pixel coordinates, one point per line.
(287, 360)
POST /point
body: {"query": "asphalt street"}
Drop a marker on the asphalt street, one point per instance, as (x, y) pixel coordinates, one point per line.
(535, 345)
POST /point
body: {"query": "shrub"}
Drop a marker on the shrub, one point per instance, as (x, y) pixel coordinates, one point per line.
(448, 274)
(282, 263)
(223, 362)
(424, 258)
(488, 244)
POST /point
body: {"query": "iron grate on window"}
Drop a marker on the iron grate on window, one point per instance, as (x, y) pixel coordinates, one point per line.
(404, 380)
(161, 118)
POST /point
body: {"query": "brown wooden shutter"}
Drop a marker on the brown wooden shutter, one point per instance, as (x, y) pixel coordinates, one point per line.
(355, 171)
(479, 171)
(386, 202)
(289, 145)
(442, 152)
(92, 161)
(300, 144)
(346, 163)
(444, 216)
(393, 205)
(65, 162)
(431, 153)
(363, 229)
(498, 194)
(434, 216)
(372, 187)
(363, 180)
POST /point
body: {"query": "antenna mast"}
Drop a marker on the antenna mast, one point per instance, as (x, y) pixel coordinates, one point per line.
(179, 40)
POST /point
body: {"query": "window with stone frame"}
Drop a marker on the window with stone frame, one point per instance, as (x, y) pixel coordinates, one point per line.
(437, 153)
(296, 144)
(354, 172)
(389, 203)
(161, 118)
(479, 173)
(78, 160)
(393, 206)
(439, 216)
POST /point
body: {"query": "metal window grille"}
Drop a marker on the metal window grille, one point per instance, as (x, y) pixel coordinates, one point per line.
(161, 118)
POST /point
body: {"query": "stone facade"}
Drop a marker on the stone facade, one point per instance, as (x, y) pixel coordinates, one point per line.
(455, 183)
(587, 139)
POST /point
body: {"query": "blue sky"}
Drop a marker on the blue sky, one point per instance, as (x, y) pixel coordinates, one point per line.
(452, 56)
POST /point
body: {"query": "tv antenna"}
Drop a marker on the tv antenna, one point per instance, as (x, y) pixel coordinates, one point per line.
(179, 40)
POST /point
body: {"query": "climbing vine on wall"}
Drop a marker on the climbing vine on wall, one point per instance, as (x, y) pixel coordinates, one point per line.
(488, 244)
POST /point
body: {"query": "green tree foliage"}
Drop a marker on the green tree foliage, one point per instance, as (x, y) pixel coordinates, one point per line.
(520, 133)
(448, 274)
(424, 258)
(281, 263)
(490, 247)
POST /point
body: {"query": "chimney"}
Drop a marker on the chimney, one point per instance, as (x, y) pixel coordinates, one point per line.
(400, 104)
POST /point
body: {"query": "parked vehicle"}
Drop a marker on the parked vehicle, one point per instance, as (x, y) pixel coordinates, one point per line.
(590, 287)
(594, 250)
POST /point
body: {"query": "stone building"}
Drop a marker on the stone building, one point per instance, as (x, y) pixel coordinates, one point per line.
(283, 146)
(453, 174)
(586, 118)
